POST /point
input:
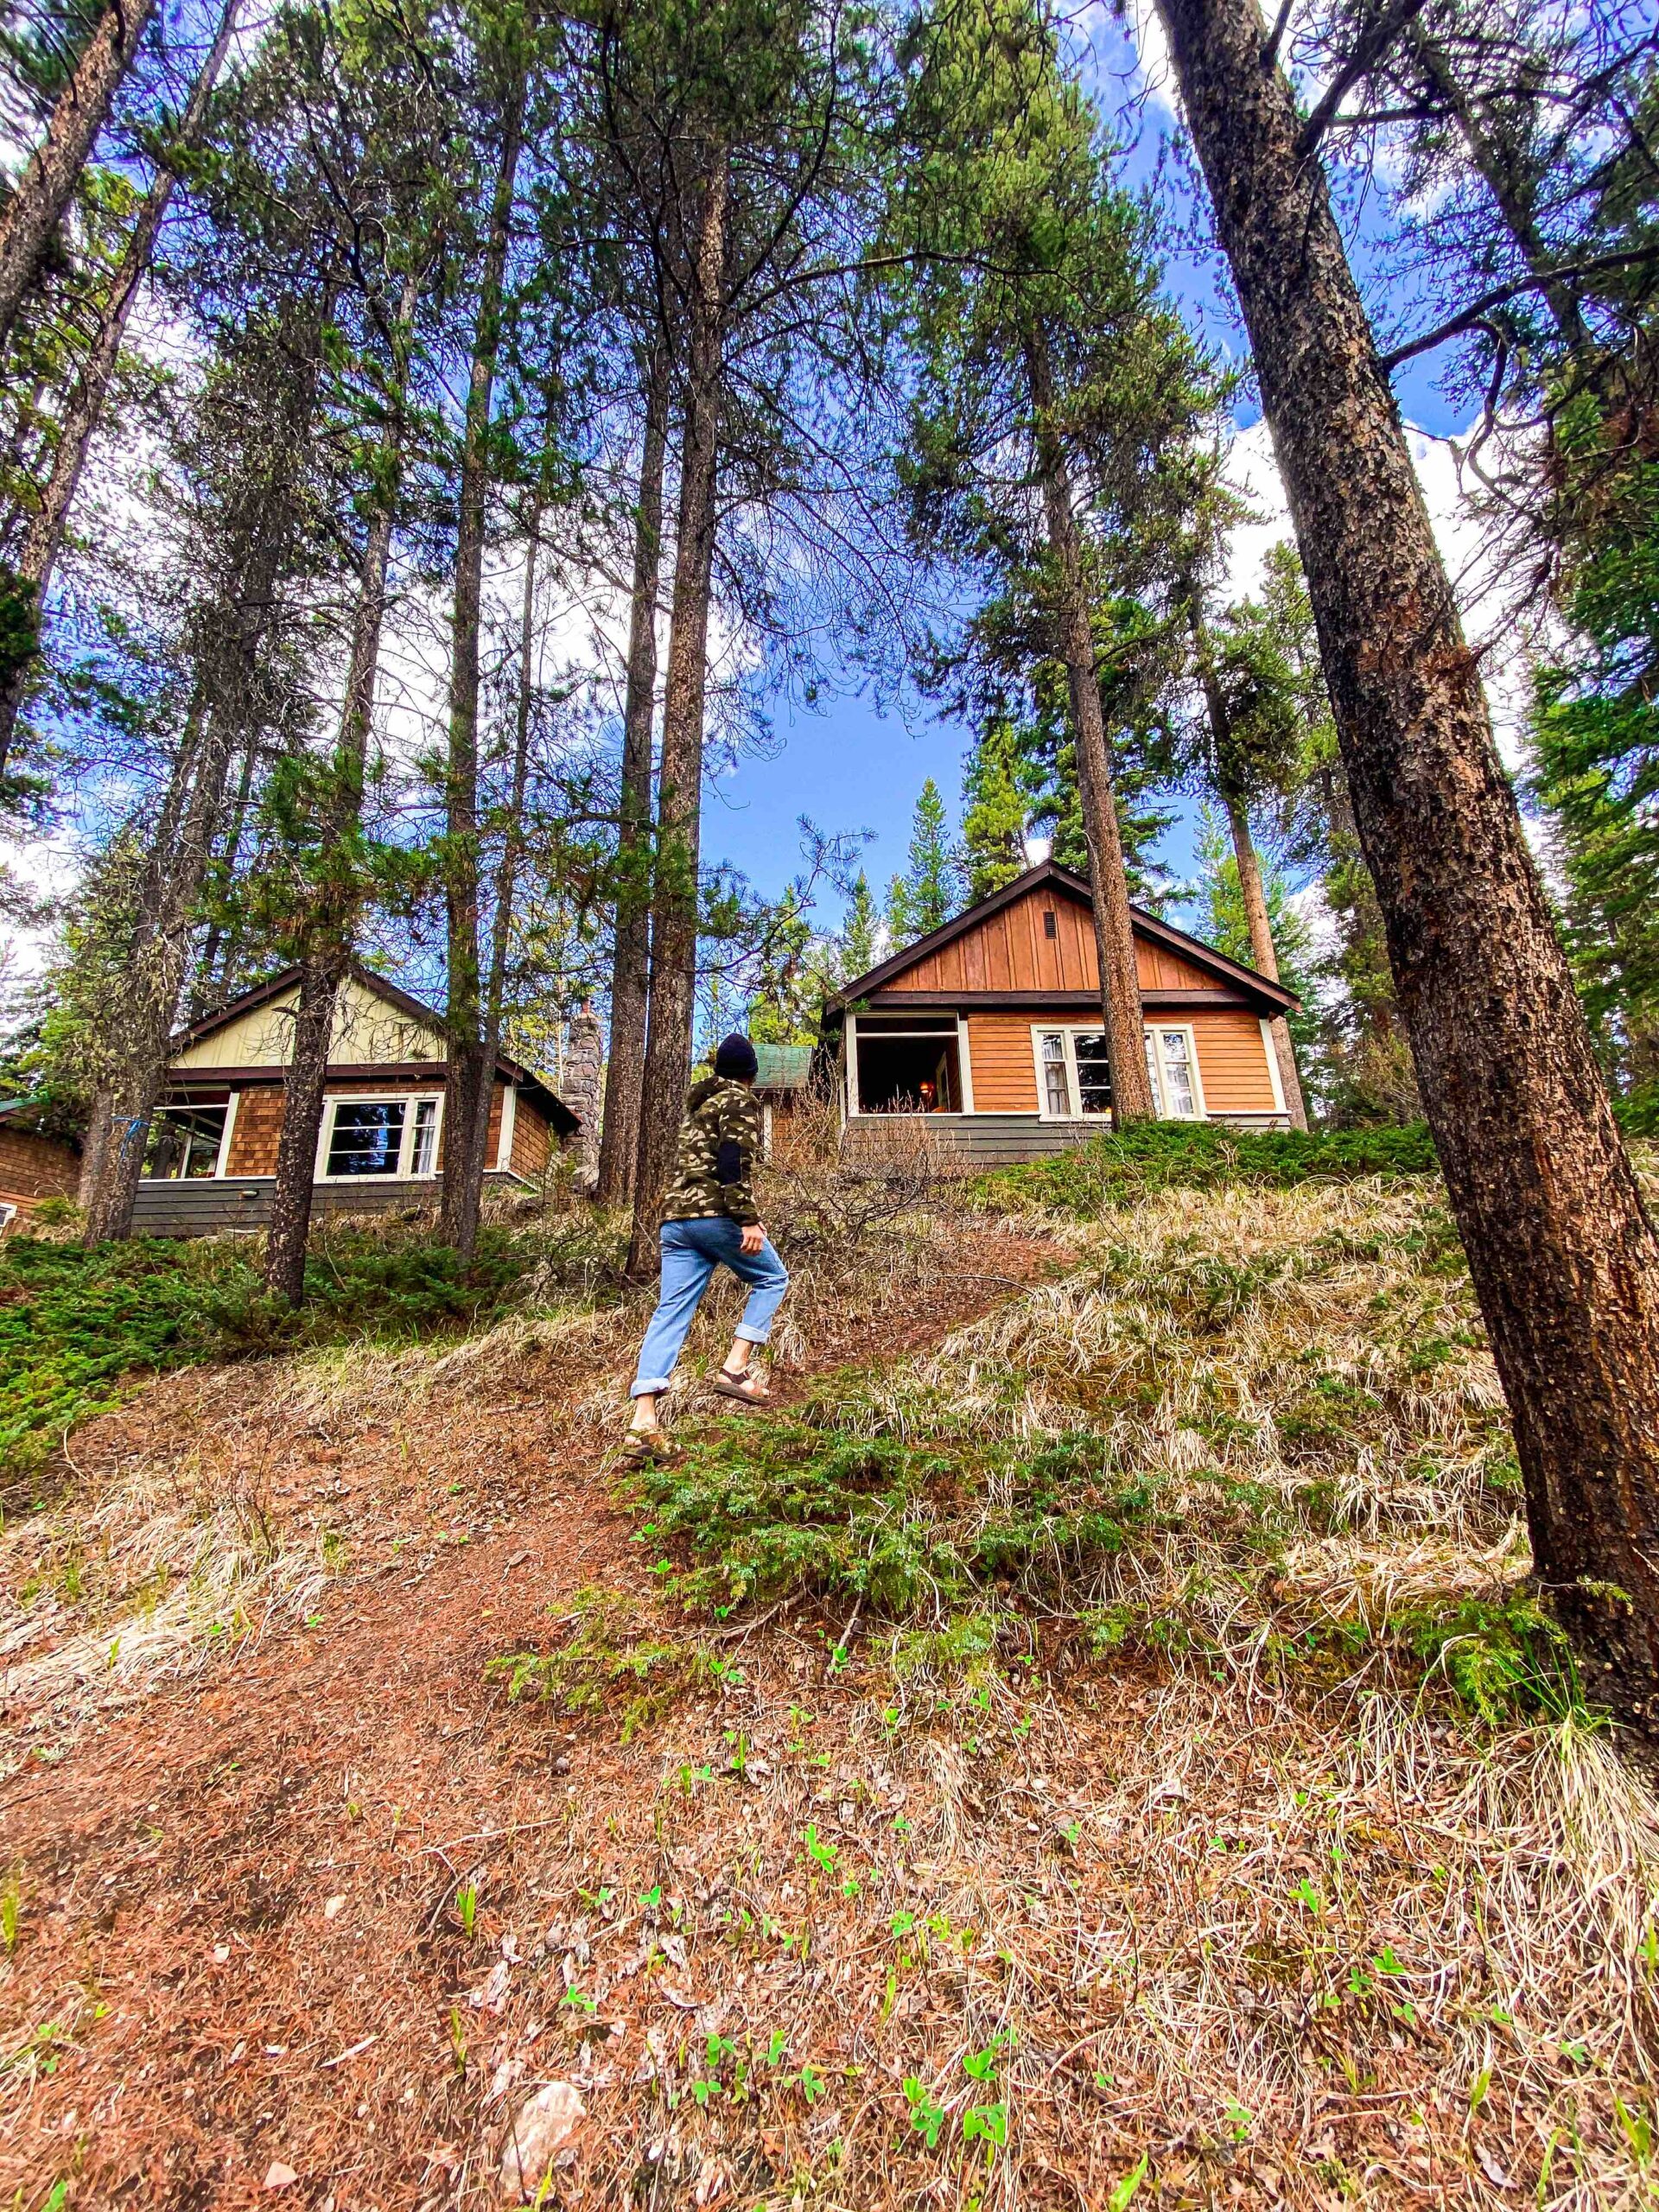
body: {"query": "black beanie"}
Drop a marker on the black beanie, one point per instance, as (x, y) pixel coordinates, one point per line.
(735, 1059)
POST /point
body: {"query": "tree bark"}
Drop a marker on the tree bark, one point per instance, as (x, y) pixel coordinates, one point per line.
(328, 958)
(32, 214)
(1263, 953)
(467, 1083)
(1120, 974)
(1564, 1257)
(43, 539)
(506, 877)
(619, 1151)
(674, 906)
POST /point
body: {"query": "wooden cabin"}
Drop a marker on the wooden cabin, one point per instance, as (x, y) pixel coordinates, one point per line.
(35, 1163)
(991, 1027)
(211, 1158)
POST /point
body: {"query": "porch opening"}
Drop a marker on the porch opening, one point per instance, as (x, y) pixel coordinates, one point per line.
(909, 1071)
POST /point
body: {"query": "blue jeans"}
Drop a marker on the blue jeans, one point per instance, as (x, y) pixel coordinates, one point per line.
(692, 1252)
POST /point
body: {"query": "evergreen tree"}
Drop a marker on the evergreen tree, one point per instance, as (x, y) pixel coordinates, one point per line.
(929, 890)
(856, 947)
(996, 790)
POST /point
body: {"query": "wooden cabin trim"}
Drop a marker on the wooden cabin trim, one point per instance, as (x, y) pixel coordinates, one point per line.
(1243, 982)
(1040, 1002)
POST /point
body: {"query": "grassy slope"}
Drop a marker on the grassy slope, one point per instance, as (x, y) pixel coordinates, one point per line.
(1146, 1750)
(78, 1327)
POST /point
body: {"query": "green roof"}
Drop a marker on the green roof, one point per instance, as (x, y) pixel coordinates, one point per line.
(782, 1067)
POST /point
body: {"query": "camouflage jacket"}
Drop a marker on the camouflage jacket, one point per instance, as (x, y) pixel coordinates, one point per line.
(720, 1142)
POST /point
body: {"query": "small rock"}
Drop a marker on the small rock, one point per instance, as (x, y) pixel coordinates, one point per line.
(280, 2176)
(332, 1907)
(221, 1952)
(538, 2133)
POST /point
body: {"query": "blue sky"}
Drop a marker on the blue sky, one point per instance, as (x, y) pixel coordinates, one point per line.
(850, 768)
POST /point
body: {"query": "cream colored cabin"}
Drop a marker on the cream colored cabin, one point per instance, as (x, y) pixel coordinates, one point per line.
(211, 1158)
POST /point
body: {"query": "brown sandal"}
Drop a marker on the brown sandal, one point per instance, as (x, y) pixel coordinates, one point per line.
(640, 1445)
(732, 1386)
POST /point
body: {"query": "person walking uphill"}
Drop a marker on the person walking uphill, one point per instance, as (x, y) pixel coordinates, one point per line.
(709, 1221)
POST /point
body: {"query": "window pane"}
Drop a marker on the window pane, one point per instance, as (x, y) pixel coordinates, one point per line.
(426, 1132)
(368, 1135)
(1094, 1074)
(1152, 1071)
(1178, 1074)
(1056, 1088)
(184, 1142)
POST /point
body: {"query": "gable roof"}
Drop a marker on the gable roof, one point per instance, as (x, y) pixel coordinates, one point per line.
(540, 1093)
(1049, 874)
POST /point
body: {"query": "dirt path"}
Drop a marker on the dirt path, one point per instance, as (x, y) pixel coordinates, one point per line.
(238, 1954)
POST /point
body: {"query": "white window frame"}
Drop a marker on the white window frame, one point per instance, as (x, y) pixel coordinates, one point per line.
(1200, 1111)
(221, 1166)
(964, 1065)
(1071, 1030)
(408, 1099)
(509, 1126)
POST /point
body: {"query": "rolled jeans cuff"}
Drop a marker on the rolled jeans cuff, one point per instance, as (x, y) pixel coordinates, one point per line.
(747, 1333)
(646, 1387)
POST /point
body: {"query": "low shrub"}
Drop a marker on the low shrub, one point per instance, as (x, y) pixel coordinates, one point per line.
(1119, 1168)
(75, 1324)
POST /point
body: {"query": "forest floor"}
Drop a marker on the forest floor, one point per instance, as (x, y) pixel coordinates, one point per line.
(1089, 1743)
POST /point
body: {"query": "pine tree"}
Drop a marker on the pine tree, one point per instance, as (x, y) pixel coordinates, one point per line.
(1561, 1248)
(995, 789)
(856, 950)
(932, 882)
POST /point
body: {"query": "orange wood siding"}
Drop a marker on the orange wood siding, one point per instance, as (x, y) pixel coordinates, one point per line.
(531, 1141)
(1232, 1061)
(999, 1054)
(1011, 951)
(493, 1141)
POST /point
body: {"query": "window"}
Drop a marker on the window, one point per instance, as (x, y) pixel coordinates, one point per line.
(1051, 927)
(424, 1156)
(380, 1136)
(185, 1142)
(1174, 1076)
(1056, 1085)
(1077, 1077)
(1074, 1077)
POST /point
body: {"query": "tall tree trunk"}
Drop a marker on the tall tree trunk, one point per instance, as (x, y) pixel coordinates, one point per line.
(328, 956)
(1564, 1257)
(1263, 953)
(619, 1151)
(147, 1015)
(226, 712)
(221, 941)
(679, 804)
(43, 539)
(467, 1086)
(35, 208)
(506, 877)
(1120, 977)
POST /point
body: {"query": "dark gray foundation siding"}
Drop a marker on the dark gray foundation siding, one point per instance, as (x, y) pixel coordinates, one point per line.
(1000, 1140)
(216, 1204)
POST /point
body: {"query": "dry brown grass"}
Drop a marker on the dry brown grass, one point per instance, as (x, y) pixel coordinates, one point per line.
(1186, 1849)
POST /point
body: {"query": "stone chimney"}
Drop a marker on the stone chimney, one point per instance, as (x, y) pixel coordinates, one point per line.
(584, 1063)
